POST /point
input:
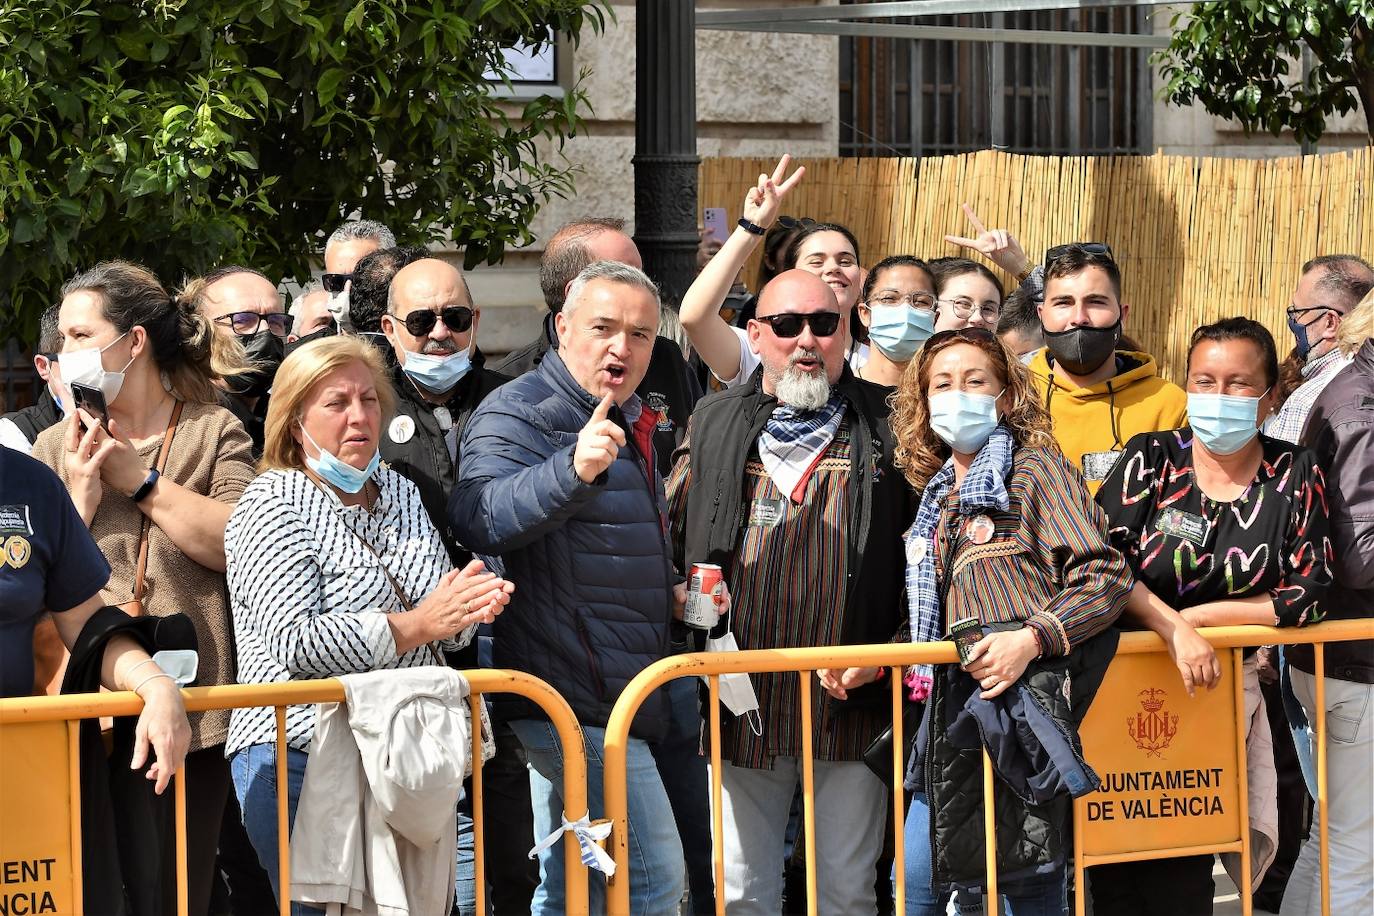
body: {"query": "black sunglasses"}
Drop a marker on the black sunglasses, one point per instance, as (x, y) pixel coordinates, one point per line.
(246, 324)
(457, 318)
(1058, 251)
(789, 324)
(334, 283)
(796, 222)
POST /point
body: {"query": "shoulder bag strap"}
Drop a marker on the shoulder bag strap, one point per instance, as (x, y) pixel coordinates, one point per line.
(142, 569)
(395, 585)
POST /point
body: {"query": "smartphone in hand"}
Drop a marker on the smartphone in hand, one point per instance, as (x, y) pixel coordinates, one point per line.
(715, 221)
(91, 400)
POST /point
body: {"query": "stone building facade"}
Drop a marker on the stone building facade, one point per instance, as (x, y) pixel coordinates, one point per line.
(762, 94)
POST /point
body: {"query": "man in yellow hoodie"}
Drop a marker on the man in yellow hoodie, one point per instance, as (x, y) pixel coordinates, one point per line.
(1098, 396)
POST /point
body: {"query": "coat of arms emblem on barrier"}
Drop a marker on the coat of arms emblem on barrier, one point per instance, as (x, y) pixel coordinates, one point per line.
(1154, 727)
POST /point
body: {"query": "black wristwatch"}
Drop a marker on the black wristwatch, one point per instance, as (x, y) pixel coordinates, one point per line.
(147, 486)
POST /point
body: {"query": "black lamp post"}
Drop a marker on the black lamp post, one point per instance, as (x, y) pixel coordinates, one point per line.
(665, 159)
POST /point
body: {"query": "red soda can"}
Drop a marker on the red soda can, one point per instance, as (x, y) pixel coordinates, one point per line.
(705, 595)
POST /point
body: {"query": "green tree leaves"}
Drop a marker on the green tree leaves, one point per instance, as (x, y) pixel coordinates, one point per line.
(190, 133)
(1239, 59)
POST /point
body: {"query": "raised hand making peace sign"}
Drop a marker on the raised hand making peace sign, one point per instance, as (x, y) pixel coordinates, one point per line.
(997, 245)
(763, 201)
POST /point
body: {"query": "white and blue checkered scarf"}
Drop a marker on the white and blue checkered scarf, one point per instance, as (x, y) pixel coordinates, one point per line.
(793, 439)
(984, 488)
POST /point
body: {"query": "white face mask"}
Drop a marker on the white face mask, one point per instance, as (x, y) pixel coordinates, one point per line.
(736, 690)
(85, 367)
(338, 307)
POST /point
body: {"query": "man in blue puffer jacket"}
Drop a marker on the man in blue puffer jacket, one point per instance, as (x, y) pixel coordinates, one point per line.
(558, 479)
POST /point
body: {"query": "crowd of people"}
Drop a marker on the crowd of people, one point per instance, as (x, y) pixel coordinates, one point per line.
(900, 452)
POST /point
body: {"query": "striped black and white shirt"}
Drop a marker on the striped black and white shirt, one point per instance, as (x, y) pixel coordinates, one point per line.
(309, 600)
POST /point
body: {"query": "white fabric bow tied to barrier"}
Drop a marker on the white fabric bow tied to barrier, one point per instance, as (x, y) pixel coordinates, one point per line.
(588, 836)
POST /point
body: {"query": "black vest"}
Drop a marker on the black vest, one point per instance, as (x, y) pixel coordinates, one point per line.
(725, 429)
(34, 419)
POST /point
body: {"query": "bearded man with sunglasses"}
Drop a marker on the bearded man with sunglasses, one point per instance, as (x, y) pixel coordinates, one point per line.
(786, 482)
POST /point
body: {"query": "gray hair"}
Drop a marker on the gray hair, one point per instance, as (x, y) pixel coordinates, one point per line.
(296, 311)
(615, 272)
(363, 229)
(1347, 276)
(49, 337)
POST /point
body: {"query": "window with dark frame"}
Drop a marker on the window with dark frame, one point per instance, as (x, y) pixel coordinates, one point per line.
(903, 97)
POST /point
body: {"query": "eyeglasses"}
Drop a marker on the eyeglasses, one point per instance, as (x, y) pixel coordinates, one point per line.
(1293, 311)
(915, 300)
(789, 324)
(246, 324)
(457, 318)
(334, 283)
(796, 222)
(966, 335)
(1058, 251)
(964, 307)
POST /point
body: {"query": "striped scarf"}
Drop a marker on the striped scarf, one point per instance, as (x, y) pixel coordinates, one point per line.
(793, 441)
(984, 488)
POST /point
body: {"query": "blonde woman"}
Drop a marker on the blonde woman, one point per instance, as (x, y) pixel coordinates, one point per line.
(1008, 544)
(334, 565)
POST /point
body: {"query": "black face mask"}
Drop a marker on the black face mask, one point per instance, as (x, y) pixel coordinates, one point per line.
(1082, 351)
(266, 351)
(326, 331)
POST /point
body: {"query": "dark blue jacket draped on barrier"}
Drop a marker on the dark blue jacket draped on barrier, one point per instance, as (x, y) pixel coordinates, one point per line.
(590, 562)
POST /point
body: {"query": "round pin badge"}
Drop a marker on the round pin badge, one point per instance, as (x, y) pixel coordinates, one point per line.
(980, 529)
(401, 430)
(916, 550)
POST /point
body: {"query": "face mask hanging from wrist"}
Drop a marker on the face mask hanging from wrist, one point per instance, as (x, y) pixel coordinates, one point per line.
(1225, 423)
(85, 367)
(339, 473)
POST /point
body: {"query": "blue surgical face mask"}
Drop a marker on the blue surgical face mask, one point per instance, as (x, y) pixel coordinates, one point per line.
(899, 330)
(438, 374)
(1225, 423)
(339, 473)
(964, 420)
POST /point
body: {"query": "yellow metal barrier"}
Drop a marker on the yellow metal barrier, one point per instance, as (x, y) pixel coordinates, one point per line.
(896, 657)
(29, 724)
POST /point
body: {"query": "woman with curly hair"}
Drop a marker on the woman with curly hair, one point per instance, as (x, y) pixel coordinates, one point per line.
(1009, 556)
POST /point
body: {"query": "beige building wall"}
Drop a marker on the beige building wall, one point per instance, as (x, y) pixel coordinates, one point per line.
(757, 95)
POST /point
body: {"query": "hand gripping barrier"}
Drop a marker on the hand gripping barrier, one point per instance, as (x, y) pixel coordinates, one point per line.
(1226, 640)
(46, 728)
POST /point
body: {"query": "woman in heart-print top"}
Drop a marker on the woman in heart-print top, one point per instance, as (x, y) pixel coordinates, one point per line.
(1222, 526)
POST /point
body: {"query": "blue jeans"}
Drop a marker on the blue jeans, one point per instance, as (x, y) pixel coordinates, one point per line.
(1042, 895)
(254, 771)
(465, 881)
(687, 782)
(656, 865)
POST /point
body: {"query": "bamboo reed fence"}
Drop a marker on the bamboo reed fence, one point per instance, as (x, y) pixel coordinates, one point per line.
(1197, 238)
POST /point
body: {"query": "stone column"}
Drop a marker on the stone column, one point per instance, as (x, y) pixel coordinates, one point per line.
(665, 159)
